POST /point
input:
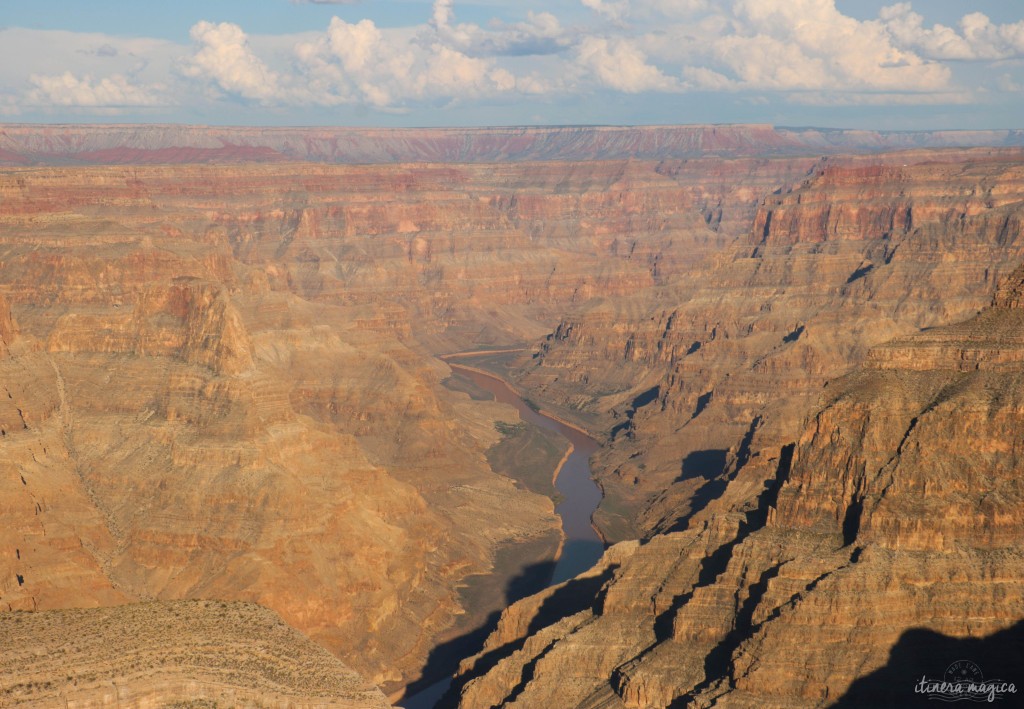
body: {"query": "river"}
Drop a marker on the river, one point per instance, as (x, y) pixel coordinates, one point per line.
(582, 546)
(580, 495)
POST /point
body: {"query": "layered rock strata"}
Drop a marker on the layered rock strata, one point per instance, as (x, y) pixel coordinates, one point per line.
(219, 384)
(218, 380)
(177, 653)
(695, 377)
(885, 535)
(22, 144)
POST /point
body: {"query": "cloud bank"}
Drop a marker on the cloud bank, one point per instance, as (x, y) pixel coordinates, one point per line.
(793, 51)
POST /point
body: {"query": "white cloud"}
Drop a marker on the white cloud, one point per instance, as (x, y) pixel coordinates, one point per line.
(795, 51)
(540, 33)
(981, 39)
(809, 45)
(110, 91)
(223, 56)
(612, 9)
(361, 63)
(620, 65)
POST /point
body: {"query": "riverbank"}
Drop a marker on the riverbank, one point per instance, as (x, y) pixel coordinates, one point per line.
(521, 569)
(579, 494)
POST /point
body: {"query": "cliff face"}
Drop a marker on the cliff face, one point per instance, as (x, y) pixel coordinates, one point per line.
(162, 144)
(696, 377)
(883, 535)
(218, 380)
(220, 384)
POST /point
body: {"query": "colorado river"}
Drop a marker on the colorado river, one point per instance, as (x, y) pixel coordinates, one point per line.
(580, 495)
(582, 546)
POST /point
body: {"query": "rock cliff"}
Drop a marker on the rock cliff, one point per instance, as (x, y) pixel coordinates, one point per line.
(694, 377)
(219, 384)
(886, 534)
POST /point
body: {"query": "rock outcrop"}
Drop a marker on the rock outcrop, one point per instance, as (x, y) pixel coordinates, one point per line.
(885, 534)
(175, 653)
(219, 382)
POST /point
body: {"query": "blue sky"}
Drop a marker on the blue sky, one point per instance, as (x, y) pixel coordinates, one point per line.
(914, 64)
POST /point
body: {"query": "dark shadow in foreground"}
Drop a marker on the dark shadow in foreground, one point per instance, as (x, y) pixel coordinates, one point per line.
(444, 659)
(577, 556)
(574, 596)
(924, 654)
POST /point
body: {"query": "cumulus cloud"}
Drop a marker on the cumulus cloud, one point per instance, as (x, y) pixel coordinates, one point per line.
(361, 63)
(224, 57)
(809, 45)
(979, 39)
(619, 10)
(69, 90)
(541, 33)
(104, 50)
(799, 51)
(618, 64)
(612, 9)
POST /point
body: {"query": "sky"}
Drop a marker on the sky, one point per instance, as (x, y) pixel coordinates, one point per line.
(875, 64)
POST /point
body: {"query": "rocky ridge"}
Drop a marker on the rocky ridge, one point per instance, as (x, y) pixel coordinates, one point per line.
(26, 144)
(219, 385)
(882, 535)
(171, 653)
(697, 376)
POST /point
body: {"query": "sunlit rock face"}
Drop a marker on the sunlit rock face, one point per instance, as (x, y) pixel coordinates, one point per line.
(218, 380)
(876, 544)
(220, 383)
(172, 653)
(727, 360)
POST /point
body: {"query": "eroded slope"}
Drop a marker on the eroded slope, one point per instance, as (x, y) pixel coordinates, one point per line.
(218, 381)
(694, 378)
(171, 654)
(885, 536)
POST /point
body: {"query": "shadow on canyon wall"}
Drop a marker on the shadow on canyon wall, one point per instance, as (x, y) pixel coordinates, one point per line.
(444, 659)
(922, 653)
(574, 596)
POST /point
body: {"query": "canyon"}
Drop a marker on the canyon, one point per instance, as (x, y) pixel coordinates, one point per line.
(225, 383)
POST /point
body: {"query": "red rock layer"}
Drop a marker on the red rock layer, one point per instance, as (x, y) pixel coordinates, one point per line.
(219, 383)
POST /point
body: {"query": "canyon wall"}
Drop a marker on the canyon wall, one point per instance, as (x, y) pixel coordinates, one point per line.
(219, 379)
(874, 548)
(221, 383)
(694, 378)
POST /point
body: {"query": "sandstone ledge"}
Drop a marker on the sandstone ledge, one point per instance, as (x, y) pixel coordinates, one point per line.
(165, 653)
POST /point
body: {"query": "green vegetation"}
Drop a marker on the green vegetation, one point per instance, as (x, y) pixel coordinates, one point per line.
(529, 455)
(509, 429)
